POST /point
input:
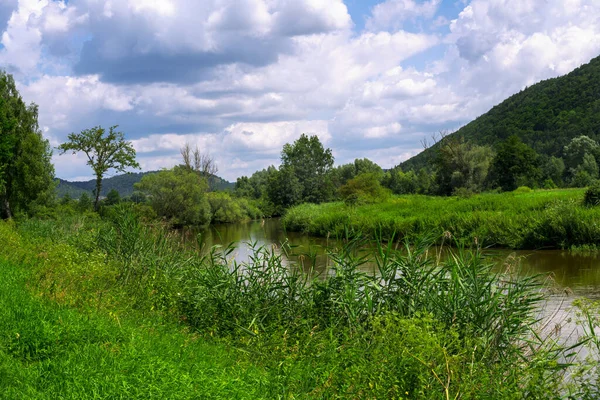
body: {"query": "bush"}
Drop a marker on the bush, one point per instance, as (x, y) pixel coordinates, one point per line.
(592, 196)
(522, 189)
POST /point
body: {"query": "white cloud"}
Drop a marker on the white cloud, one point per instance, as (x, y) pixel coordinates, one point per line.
(244, 77)
(391, 14)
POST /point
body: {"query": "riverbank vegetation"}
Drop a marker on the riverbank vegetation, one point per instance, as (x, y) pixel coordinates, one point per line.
(119, 308)
(523, 219)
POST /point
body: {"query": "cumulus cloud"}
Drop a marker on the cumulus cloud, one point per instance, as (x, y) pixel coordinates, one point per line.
(393, 13)
(244, 77)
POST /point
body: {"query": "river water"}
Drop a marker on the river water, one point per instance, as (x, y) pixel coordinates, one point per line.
(578, 273)
(574, 274)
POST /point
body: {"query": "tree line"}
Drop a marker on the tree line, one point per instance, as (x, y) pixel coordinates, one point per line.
(185, 194)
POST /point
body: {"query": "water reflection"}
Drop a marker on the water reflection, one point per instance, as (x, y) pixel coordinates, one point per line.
(575, 274)
(579, 272)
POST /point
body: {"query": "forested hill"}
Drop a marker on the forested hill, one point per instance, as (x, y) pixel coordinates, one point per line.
(121, 183)
(546, 116)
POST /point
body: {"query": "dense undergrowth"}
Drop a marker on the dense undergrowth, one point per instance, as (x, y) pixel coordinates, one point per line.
(518, 220)
(92, 308)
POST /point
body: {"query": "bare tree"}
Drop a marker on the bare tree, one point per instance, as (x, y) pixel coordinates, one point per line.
(195, 160)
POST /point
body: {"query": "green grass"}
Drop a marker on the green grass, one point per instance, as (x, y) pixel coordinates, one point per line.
(537, 219)
(49, 351)
(116, 309)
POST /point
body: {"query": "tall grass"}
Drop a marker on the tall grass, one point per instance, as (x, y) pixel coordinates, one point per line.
(539, 219)
(422, 327)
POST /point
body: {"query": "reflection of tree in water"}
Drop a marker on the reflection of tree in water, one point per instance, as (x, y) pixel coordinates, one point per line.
(579, 271)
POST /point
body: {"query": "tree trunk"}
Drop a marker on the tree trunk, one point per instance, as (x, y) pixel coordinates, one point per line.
(98, 188)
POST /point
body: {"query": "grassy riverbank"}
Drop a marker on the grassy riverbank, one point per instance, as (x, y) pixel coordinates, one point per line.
(518, 220)
(121, 310)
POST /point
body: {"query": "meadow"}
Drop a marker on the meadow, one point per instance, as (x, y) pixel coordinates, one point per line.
(523, 219)
(115, 308)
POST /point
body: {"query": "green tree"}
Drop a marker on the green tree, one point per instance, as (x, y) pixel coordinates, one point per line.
(178, 195)
(26, 171)
(365, 188)
(576, 150)
(113, 197)
(401, 182)
(554, 168)
(461, 165)
(284, 189)
(138, 197)
(590, 165)
(104, 151)
(343, 173)
(514, 165)
(85, 203)
(311, 164)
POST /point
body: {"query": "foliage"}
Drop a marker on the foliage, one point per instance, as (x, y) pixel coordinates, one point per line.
(553, 169)
(304, 172)
(26, 171)
(227, 209)
(532, 220)
(461, 165)
(257, 188)
(177, 195)
(365, 188)
(113, 198)
(342, 174)
(592, 196)
(515, 164)
(104, 152)
(577, 149)
(85, 203)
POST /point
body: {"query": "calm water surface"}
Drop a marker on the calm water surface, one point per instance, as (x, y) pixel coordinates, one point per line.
(579, 273)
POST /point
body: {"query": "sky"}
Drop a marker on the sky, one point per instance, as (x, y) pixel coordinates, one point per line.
(240, 78)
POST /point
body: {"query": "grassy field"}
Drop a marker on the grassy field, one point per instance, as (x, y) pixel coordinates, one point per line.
(526, 220)
(92, 308)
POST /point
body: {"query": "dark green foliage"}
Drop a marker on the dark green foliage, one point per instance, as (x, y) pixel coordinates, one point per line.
(26, 171)
(304, 173)
(400, 182)
(113, 198)
(85, 203)
(592, 196)
(515, 164)
(545, 116)
(105, 151)
(553, 169)
(138, 197)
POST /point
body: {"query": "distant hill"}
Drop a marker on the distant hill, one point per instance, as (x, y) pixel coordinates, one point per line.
(121, 183)
(546, 116)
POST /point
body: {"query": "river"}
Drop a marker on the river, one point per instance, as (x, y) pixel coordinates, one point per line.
(575, 274)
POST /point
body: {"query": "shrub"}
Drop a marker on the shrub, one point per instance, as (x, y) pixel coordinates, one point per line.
(522, 189)
(592, 195)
